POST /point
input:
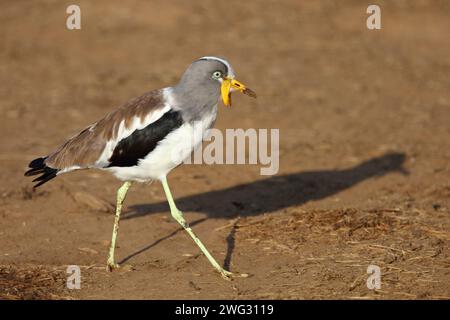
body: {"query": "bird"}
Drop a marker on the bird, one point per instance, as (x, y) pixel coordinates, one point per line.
(147, 137)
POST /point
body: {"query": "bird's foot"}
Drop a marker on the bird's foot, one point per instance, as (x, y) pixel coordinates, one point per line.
(111, 265)
(227, 275)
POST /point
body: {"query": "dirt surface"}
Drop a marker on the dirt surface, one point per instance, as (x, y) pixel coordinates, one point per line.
(364, 162)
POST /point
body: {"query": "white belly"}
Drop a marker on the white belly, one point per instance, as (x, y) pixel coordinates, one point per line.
(170, 152)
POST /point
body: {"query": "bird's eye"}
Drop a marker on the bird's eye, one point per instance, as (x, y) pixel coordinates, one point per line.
(217, 75)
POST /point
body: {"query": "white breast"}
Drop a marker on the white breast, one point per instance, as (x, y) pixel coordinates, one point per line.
(170, 152)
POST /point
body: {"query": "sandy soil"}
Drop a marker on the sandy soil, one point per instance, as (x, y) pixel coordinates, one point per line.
(364, 137)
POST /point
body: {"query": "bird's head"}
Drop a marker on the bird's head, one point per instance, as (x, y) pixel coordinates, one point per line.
(215, 75)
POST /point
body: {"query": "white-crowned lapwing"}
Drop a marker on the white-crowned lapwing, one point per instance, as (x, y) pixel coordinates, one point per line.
(148, 136)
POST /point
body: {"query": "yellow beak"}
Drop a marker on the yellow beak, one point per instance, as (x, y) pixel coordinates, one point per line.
(228, 84)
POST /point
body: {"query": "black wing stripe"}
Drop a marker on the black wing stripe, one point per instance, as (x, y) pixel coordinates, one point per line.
(141, 142)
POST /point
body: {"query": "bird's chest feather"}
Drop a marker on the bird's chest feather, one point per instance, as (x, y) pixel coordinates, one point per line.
(169, 152)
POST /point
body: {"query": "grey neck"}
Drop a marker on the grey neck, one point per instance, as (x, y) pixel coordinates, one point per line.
(195, 101)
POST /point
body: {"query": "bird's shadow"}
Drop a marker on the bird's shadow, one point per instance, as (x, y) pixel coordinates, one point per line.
(276, 192)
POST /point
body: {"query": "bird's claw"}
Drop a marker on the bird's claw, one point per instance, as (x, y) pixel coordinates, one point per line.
(227, 275)
(111, 265)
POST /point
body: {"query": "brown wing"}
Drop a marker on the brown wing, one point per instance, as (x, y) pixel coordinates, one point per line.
(84, 149)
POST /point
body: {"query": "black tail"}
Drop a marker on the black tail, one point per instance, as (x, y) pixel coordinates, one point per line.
(38, 166)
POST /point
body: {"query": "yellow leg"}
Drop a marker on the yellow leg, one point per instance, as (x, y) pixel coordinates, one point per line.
(178, 216)
(121, 193)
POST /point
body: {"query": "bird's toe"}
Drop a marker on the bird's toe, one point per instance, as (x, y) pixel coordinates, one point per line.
(110, 266)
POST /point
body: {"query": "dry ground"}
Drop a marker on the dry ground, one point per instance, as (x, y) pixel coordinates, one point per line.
(364, 161)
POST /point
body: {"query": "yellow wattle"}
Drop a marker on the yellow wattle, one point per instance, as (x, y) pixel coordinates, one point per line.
(225, 90)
